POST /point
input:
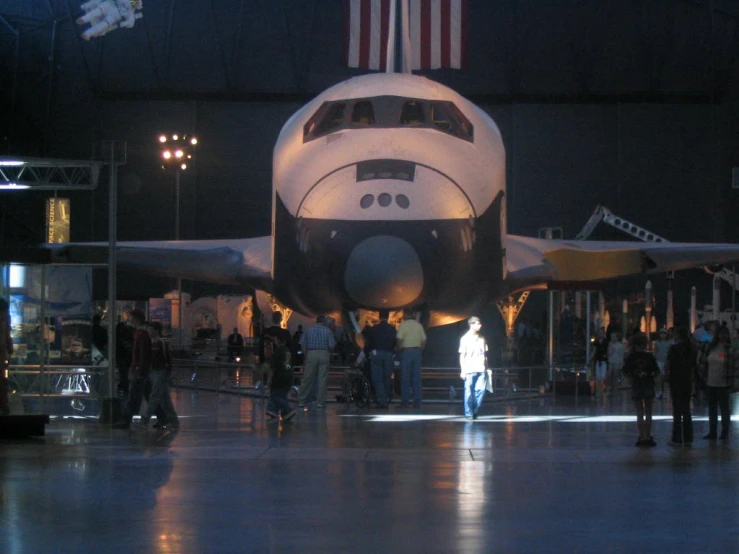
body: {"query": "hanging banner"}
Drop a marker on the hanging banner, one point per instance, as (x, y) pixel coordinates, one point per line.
(57, 220)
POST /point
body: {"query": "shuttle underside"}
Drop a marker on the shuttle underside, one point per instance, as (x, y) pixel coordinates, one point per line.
(449, 265)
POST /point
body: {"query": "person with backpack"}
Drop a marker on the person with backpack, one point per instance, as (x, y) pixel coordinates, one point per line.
(160, 401)
(280, 382)
(269, 338)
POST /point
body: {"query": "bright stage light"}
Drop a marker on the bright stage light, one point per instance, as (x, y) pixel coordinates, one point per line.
(11, 163)
(193, 141)
(175, 137)
(13, 186)
(162, 138)
(178, 153)
(166, 154)
(183, 166)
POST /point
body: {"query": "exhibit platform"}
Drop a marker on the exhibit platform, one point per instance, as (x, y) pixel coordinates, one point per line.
(553, 475)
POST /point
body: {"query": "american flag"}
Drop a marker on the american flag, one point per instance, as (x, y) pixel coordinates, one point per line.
(438, 33)
(367, 28)
(435, 32)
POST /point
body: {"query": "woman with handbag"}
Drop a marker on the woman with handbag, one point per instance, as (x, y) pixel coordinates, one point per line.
(719, 359)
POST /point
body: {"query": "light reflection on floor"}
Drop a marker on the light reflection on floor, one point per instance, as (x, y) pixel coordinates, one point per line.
(390, 418)
(521, 478)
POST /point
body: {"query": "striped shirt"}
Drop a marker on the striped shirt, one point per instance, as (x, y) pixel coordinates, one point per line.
(318, 337)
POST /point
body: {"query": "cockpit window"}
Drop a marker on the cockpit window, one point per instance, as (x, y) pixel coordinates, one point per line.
(468, 130)
(334, 118)
(387, 112)
(310, 127)
(440, 117)
(363, 114)
(412, 113)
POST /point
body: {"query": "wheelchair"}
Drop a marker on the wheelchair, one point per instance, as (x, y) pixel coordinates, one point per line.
(356, 388)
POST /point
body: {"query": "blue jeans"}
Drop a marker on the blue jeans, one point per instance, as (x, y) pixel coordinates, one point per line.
(159, 397)
(474, 392)
(382, 373)
(410, 371)
(136, 393)
(278, 402)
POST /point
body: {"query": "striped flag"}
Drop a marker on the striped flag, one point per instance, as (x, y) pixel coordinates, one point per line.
(438, 33)
(367, 28)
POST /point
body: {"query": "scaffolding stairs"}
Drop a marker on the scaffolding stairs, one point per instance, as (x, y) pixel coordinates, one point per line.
(604, 215)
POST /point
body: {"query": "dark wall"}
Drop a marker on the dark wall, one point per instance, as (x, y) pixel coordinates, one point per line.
(660, 166)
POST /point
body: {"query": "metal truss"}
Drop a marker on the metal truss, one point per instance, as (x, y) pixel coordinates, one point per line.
(48, 174)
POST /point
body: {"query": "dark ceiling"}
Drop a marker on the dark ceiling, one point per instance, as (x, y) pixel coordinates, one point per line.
(520, 51)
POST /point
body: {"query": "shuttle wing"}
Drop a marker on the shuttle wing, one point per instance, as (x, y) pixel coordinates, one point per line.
(234, 262)
(537, 263)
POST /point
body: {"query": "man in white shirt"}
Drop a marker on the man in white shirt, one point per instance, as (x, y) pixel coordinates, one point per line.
(473, 352)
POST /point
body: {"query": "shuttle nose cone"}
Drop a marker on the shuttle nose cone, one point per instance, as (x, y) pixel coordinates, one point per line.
(383, 271)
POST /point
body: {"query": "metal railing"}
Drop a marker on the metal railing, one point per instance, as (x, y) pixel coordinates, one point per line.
(439, 383)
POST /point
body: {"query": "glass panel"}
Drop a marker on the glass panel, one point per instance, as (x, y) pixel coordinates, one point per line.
(412, 113)
(441, 118)
(334, 118)
(363, 114)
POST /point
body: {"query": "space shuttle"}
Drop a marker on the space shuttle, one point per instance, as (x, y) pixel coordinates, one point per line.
(389, 192)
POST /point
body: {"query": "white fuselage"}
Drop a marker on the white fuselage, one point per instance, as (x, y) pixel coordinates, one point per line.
(376, 204)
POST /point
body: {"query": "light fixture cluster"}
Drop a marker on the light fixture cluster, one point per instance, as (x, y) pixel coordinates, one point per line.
(176, 150)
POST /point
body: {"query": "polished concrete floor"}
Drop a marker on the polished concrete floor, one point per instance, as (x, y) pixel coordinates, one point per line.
(532, 475)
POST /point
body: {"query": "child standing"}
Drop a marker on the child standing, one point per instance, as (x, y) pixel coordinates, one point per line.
(641, 367)
(280, 381)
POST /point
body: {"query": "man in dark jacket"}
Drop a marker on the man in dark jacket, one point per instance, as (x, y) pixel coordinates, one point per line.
(381, 345)
(680, 370)
(138, 375)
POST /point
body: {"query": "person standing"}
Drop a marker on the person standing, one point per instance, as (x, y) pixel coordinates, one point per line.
(99, 335)
(160, 401)
(642, 368)
(473, 352)
(235, 345)
(138, 375)
(719, 359)
(280, 382)
(6, 351)
(679, 370)
(661, 348)
(615, 359)
(123, 351)
(380, 345)
(411, 340)
(599, 362)
(317, 343)
(268, 343)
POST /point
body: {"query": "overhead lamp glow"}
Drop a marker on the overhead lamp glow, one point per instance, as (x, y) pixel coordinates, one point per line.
(183, 166)
(162, 138)
(175, 137)
(178, 153)
(166, 154)
(193, 141)
(11, 163)
(13, 186)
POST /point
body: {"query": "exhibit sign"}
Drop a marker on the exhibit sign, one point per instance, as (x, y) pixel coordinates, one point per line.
(57, 220)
